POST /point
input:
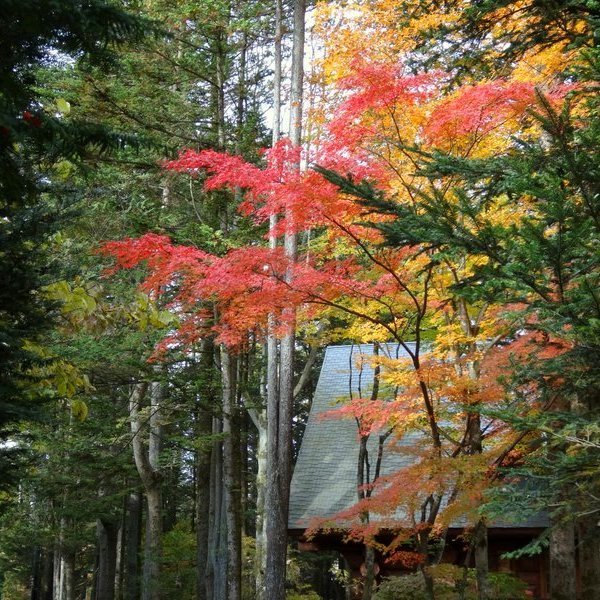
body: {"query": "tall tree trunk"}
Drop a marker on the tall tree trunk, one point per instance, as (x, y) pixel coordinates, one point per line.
(562, 560)
(369, 582)
(56, 585)
(107, 535)
(480, 537)
(222, 556)
(36, 575)
(120, 570)
(588, 540)
(277, 60)
(297, 83)
(260, 421)
(68, 569)
(204, 422)
(364, 476)
(217, 559)
(266, 423)
(152, 548)
(231, 476)
(202, 507)
(64, 571)
(480, 544)
(154, 517)
(277, 474)
(133, 540)
(474, 446)
(242, 92)
(244, 443)
(218, 90)
(147, 464)
(279, 414)
(563, 578)
(47, 580)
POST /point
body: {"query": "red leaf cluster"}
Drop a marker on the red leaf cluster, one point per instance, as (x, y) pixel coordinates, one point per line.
(405, 559)
(479, 109)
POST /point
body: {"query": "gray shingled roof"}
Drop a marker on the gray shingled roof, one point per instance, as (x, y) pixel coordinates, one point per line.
(324, 478)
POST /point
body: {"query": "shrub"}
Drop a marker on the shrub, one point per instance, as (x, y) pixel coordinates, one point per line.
(448, 580)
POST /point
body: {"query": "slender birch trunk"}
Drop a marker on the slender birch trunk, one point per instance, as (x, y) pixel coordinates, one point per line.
(259, 418)
(267, 423)
(120, 555)
(64, 566)
(147, 464)
(277, 59)
(230, 476)
(68, 566)
(279, 415)
(56, 589)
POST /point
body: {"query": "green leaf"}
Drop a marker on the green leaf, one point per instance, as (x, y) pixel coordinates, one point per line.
(64, 108)
(79, 409)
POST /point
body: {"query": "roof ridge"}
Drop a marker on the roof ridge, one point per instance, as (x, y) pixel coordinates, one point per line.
(358, 344)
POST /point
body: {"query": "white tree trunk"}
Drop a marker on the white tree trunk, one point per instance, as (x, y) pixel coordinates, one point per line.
(280, 406)
(148, 467)
(260, 422)
(231, 481)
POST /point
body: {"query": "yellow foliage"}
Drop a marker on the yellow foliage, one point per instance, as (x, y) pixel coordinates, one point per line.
(59, 377)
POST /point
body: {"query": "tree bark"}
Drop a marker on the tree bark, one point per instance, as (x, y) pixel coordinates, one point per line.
(46, 587)
(277, 71)
(68, 572)
(260, 422)
(231, 476)
(204, 420)
(56, 586)
(120, 570)
(204, 430)
(64, 567)
(147, 464)
(369, 581)
(279, 445)
(363, 477)
(202, 511)
(219, 54)
(107, 535)
(297, 83)
(588, 539)
(133, 535)
(562, 560)
(217, 551)
(152, 548)
(279, 450)
(36, 575)
(480, 543)
(266, 440)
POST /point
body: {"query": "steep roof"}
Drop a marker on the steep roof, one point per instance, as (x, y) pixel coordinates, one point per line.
(324, 478)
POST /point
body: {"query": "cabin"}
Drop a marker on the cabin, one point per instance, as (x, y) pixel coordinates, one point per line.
(325, 475)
